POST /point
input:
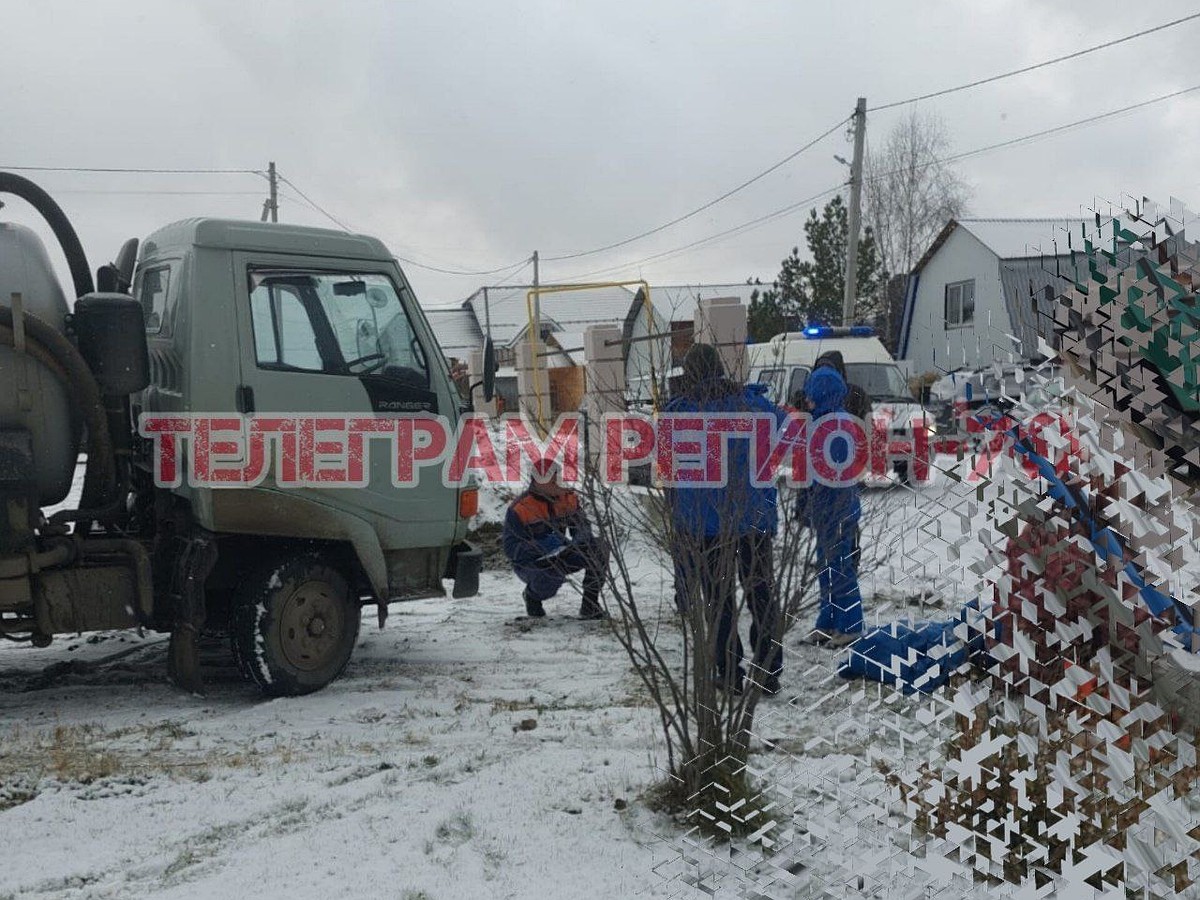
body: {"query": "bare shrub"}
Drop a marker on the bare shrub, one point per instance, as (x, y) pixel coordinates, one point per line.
(672, 644)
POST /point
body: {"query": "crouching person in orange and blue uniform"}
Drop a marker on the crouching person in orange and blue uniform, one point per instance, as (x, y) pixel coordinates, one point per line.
(547, 537)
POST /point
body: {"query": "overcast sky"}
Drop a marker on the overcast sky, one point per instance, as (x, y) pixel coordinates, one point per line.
(467, 134)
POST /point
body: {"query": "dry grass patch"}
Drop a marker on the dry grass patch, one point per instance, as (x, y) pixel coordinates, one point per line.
(83, 754)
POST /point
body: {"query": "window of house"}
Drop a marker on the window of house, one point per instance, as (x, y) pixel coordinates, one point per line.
(960, 303)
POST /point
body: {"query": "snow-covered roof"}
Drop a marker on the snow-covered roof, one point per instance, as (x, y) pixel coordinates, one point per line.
(1022, 238)
(509, 314)
(455, 329)
(677, 302)
(571, 343)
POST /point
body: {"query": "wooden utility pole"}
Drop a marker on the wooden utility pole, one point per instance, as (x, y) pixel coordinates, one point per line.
(855, 213)
(273, 202)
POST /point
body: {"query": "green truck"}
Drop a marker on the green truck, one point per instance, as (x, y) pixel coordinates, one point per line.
(241, 319)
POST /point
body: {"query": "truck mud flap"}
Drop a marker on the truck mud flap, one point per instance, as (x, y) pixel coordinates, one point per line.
(466, 562)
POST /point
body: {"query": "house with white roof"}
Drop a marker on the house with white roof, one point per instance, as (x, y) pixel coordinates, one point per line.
(677, 304)
(655, 335)
(503, 312)
(974, 298)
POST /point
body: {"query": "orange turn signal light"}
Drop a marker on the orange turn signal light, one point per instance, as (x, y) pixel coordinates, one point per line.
(468, 503)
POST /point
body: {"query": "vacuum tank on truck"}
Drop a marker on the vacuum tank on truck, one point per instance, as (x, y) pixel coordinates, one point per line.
(220, 317)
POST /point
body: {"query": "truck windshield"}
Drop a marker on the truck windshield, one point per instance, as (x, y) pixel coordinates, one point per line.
(881, 381)
(342, 324)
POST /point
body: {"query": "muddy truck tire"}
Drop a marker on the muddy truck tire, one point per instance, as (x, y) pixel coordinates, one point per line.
(294, 625)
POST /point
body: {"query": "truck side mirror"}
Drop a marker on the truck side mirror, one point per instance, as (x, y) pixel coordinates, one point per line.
(111, 331)
(489, 370)
(126, 259)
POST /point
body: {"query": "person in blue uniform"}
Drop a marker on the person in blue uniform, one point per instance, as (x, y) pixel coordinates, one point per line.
(833, 513)
(725, 534)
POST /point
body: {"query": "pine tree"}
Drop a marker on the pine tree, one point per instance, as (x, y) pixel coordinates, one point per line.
(765, 318)
(811, 291)
(825, 274)
(782, 307)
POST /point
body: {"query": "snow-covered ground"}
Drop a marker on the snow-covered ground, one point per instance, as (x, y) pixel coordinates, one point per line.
(466, 753)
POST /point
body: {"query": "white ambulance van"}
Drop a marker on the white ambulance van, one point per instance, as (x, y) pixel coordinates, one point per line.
(784, 362)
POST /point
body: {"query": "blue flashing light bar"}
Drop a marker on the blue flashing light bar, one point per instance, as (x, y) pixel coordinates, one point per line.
(816, 332)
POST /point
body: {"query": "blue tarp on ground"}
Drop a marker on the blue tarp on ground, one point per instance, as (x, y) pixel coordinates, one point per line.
(917, 656)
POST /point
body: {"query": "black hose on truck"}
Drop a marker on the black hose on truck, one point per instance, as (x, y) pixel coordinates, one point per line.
(47, 344)
(77, 262)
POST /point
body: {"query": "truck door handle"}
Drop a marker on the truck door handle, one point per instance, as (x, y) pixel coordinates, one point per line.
(245, 398)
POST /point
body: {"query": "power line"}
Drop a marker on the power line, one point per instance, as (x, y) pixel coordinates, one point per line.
(507, 278)
(779, 213)
(169, 193)
(711, 203)
(1040, 134)
(131, 170)
(729, 232)
(408, 261)
(309, 200)
(520, 264)
(1041, 65)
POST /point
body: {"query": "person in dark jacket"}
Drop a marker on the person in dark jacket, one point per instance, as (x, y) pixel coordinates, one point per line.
(833, 513)
(547, 537)
(724, 534)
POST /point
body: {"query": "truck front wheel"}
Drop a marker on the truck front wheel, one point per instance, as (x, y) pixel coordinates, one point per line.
(295, 623)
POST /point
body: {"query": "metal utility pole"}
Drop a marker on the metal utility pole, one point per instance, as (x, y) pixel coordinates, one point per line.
(273, 202)
(856, 167)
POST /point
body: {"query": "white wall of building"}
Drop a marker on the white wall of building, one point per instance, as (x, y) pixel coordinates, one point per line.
(934, 347)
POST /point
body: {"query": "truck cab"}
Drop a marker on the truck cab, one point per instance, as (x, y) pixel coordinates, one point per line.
(277, 320)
